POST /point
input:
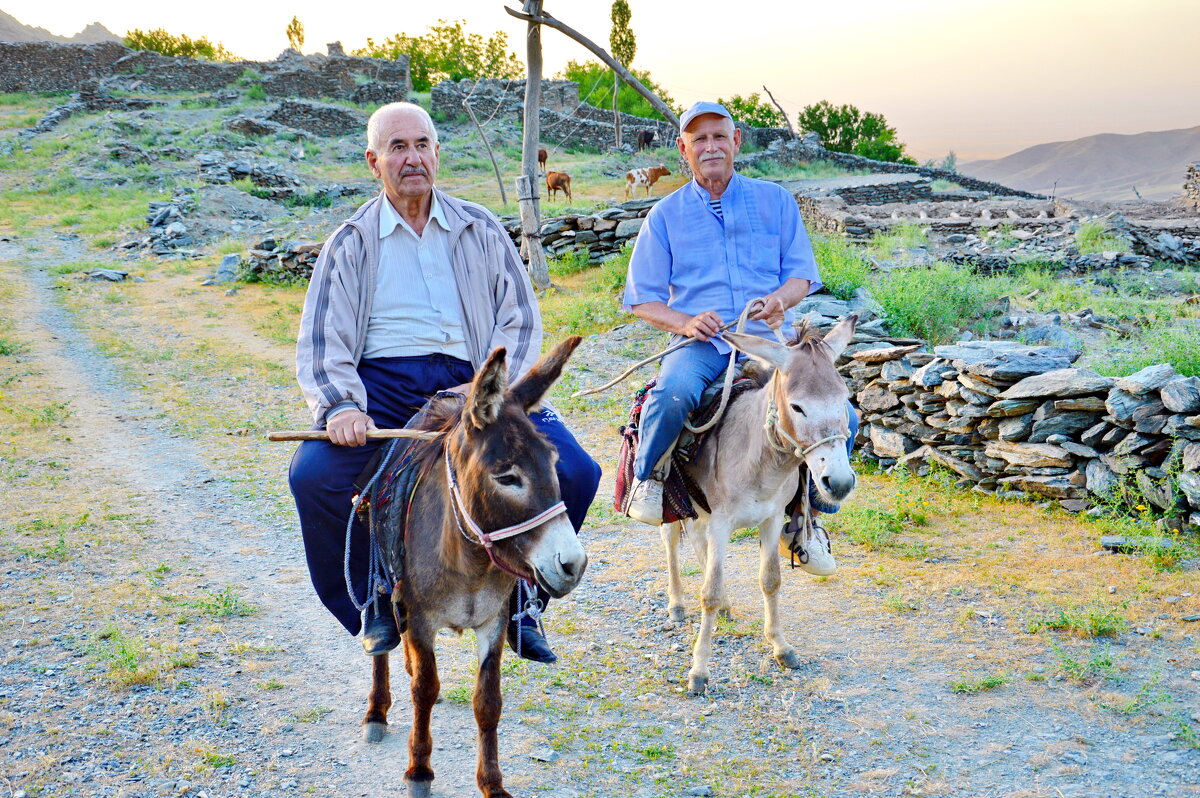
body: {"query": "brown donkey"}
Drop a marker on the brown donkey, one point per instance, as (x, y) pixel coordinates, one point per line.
(486, 510)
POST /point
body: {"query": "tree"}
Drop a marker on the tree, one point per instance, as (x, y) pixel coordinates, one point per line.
(160, 41)
(448, 52)
(623, 46)
(753, 111)
(845, 128)
(295, 34)
(596, 80)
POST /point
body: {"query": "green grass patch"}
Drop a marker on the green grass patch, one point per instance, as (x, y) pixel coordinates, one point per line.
(457, 694)
(1177, 344)
(1094, 236)
(312, 715)
(967, 686)
(934, 302)
(842, 266)
(224, 604)
(1095, 621)
(126, 659)
(898, 238)
(814, 170)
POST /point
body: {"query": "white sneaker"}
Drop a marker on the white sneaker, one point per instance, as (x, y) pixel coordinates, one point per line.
(814, 555)
(646, 502)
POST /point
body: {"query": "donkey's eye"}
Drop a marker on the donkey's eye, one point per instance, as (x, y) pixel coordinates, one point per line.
(798, 409)
(509, 480)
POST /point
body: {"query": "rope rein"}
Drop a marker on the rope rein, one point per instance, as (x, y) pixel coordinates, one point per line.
(377, 578)
(678, 345)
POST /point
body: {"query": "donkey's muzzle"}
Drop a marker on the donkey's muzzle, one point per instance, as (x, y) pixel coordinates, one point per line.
(559, 560)
(839, 485)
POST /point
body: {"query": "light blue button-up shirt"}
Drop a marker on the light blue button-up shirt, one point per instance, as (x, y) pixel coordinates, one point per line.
(695, 261)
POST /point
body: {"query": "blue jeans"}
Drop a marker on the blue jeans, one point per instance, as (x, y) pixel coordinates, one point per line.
(322, 475)
(684, 375)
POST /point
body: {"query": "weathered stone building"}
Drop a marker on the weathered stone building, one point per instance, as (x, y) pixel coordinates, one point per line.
(51, 67)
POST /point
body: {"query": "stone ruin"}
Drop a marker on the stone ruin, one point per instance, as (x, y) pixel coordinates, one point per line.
(1020, 421)
(51, 67)
(564, 119)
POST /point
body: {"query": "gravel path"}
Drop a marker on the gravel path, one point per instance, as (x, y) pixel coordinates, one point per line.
(869, 711)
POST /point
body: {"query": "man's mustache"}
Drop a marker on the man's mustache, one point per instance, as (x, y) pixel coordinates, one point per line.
(718, 157)
(413, 171)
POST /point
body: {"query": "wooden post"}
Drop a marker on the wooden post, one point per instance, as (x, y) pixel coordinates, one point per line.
(479, 127)
(527, 183)
(616, 111)
(599, 52)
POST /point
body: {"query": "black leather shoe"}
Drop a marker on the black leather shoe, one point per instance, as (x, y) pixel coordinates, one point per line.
(533, 646)
(380, 635)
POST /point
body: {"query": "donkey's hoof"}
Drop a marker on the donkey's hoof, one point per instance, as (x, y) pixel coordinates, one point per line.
(419, 789)
(726, 613)
(678, 614)
(788, 658)
(697, 685)
(373, 732)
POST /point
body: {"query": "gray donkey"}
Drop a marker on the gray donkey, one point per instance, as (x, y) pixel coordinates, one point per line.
(749, 471)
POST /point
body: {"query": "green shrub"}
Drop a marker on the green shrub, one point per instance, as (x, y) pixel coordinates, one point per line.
(1166, 343)
(933, 302)
(448, 52)
(1093, 235)
(160, 41)
(256, 92)
(842, 267)
(905, 235)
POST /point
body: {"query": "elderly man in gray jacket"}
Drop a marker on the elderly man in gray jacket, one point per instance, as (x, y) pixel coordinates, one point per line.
(407, 298)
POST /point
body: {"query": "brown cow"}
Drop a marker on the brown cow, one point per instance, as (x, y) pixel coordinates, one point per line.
(557, 180)
(643, 178)
(645, 138)
(542, 155)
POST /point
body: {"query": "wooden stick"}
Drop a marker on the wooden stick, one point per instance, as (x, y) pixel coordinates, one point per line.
(613, 64)
(372, 435)
(782, 112)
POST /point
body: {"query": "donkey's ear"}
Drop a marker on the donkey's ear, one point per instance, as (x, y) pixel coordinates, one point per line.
(770, 353)
(839, 337)
(487, 391)
(530, 389)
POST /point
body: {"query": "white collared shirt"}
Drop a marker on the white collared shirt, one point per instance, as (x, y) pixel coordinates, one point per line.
(417, 310)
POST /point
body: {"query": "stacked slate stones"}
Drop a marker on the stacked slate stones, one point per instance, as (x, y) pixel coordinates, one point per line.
(1020, 420)
(601, 235)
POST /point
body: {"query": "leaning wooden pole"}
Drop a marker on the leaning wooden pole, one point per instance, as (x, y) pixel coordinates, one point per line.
(598, 51)
(495, 166)
(782, 113)
(527, 183)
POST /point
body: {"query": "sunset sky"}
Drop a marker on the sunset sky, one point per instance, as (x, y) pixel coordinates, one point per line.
(981, 77)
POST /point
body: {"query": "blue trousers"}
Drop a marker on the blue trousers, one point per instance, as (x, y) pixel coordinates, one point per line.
(684, 375)
(322, 475)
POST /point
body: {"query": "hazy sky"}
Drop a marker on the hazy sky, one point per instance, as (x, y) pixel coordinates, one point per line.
(981, 77)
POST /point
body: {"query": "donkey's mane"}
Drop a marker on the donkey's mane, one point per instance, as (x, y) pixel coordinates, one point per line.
(809, 337)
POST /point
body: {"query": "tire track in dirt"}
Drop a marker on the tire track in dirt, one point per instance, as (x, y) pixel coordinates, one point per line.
(198, 515)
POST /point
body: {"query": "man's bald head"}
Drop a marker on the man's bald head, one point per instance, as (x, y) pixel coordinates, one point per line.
(384, 112)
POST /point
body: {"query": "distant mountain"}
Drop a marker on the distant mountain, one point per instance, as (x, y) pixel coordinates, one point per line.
(1102, 167)
(13, 31)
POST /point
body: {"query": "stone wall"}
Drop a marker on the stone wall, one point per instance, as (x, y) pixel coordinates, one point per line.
(1191, 185)
(1022, 421)
(597, 235)
(809, 149)
(45, 66)
(502, 98)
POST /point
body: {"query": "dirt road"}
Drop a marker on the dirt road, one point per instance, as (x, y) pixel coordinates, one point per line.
(160, 636)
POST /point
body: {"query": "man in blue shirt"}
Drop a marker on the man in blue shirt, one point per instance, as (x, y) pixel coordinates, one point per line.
(704, 253)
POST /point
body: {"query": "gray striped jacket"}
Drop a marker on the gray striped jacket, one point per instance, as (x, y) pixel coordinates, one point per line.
(497, 301)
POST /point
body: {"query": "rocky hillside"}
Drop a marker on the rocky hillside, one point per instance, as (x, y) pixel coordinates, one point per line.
(12, 30)
(1102, 167)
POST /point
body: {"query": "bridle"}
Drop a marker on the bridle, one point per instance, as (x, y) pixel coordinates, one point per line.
(783, 441)
(487, 539)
